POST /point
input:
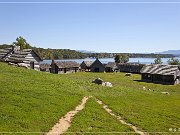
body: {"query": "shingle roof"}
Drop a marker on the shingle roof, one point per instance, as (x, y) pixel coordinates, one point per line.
(44, 66)
(160, 69)
(97, 61)
(88, 63)
(5, 52)
(111, 64)
(67, 64)
(19, 56)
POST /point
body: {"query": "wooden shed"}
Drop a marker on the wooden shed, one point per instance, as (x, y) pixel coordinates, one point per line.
(85, 65)
(97, 66)
(164, 74)
(45, 67)
(64, 67)
(26, 57)
(110, 67)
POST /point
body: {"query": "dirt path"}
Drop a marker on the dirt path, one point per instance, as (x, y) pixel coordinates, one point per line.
(65, 122)
(119, 118)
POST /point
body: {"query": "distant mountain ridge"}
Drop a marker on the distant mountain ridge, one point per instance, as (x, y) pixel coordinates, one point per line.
(174, 52)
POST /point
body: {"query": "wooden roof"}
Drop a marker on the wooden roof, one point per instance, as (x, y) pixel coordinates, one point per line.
(5, 52)
(87, 63)
(19, 56)
(67, 64)
(97, 62)
(160, 69)
(44, 66)
(111, 64)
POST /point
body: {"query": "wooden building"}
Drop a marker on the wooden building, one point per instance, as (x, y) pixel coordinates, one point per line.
(64, 67)
(97, 66)
(45, 67)
(130, 67)
(164, 74)
(85, 65)
(27, 58)
(111, 67)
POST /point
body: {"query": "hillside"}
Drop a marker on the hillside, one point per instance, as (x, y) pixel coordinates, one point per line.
(33, 101)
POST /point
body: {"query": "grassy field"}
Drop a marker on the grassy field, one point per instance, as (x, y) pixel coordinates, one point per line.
(149, 110)
(34, 101)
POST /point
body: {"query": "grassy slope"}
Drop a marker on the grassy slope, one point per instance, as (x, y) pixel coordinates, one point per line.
(149, 110)
(32, 100)
(93, 118)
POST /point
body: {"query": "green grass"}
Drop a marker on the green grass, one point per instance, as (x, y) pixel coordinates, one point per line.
(34, 101)
(93, 118)
(149, 110)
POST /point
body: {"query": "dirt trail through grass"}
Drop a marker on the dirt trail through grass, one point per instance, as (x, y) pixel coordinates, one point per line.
(119, 118)
(65, 122)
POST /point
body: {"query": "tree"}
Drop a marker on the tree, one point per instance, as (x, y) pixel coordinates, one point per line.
(158, 60)
(117, 59)
(173, 61)
(121, 58)
(124, 58)
(20, 41)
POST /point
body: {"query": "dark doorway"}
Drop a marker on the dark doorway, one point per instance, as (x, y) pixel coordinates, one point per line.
(32, 64)
(96, 69)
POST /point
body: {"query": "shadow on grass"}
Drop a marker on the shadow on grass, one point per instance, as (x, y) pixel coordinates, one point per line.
(162, 83)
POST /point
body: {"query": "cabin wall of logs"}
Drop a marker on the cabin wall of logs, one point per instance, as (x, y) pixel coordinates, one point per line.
(163, 74)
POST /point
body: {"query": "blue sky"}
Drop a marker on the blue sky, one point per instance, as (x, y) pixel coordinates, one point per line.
(101, 27)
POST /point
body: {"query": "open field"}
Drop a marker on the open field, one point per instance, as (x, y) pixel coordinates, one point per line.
(33, 101)
(149, 110)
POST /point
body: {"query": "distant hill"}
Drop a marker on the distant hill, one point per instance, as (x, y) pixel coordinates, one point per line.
(174, 52)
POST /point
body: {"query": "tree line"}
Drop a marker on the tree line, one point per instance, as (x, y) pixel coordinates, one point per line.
(73, 54)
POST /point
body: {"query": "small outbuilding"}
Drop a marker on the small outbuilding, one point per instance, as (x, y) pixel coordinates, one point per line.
(85, 65)
(97, 66)
(45, 67)
(110, 67)
(64, 67)
(164, 74)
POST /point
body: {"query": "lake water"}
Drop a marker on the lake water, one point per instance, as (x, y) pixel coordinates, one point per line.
(106, 60)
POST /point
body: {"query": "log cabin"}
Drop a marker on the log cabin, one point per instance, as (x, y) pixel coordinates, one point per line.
(163, 74)
(97, 66)
(27, 58)
(85, 65)
(64, 67)
(110, 67)
(45, 67)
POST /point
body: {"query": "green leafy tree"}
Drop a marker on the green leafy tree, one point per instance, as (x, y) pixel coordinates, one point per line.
(158, 60)
(20, 41)
(117, 58)
(121, 58)
(173, 61)
(124, 58)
